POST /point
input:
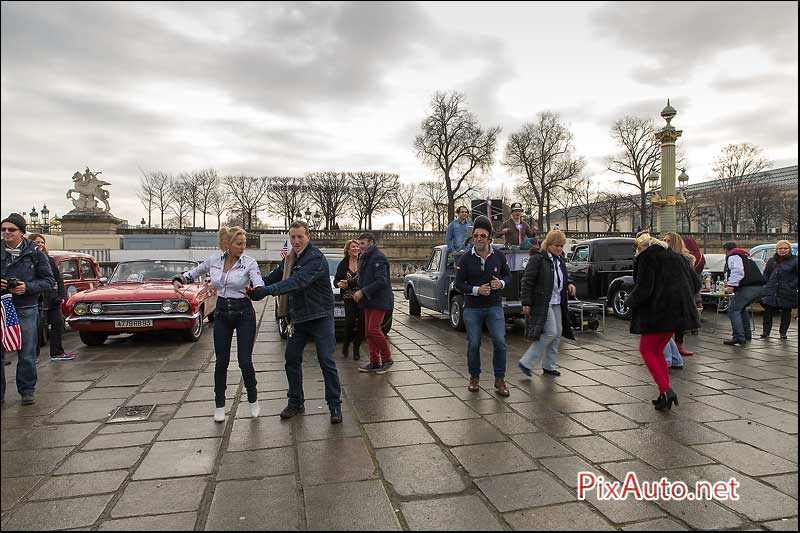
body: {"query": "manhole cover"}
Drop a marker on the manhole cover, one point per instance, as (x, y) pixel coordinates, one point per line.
(132, 413)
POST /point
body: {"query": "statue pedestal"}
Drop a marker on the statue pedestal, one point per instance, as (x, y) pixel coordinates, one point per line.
(90, 230)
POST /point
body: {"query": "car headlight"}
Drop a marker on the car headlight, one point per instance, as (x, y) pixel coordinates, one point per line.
(182, 306)
(96, 308)
(80, 309)
(167, 306)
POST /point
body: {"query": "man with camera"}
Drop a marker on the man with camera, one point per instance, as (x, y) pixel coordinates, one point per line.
(25, 273)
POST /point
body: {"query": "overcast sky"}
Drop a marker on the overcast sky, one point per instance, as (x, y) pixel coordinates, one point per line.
(288, 88)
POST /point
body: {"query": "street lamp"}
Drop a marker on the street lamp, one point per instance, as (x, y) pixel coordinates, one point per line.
(45, 219)
(34, 217)
(705, 218)
(317, 218)
(667, 199)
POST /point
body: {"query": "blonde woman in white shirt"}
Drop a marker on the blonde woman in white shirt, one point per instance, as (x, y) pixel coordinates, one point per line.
(231, 273)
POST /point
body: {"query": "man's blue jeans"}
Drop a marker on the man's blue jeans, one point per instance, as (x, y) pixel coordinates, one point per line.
(737, 311)
(321, 330)
(474, 318)
(26, 364)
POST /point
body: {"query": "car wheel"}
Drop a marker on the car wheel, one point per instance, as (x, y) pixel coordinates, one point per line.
(92, 338)
(618, 306)
(724, 303)
(194, 333)
(414, 309)
(283, 328)
(457, 313)
(386, 327)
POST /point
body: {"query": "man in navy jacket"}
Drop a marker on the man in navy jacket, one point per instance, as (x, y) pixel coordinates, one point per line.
(480, 275)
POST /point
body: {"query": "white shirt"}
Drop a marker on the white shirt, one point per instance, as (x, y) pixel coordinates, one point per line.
(558, 280)
(737, 270)
(228, 284)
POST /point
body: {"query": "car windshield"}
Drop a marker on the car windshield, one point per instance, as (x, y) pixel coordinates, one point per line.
(141, 271)
(333, 264)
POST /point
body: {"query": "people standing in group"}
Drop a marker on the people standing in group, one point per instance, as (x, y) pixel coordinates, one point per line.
(480, 275)
(353, 316)
(515, 230)
(302, 283)
(661, 303)
(25, 273)
(745, 282)
(231, 274)
(459, 230)
(51, 304)
(780, 291)
(545, 291)
(373, 294)
(677, 245)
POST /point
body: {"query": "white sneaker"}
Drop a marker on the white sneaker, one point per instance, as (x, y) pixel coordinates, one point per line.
(255, 409)
(219, 414)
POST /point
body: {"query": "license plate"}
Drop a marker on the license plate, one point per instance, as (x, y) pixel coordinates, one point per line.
(133, 323)
(338, 312)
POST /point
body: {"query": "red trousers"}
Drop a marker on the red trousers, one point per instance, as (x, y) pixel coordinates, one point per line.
(651, 346)
(378, 345)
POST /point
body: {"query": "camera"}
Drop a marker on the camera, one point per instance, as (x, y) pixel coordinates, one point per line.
(12, 283)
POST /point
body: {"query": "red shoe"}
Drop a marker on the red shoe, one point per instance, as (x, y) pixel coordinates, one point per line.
(683, 351)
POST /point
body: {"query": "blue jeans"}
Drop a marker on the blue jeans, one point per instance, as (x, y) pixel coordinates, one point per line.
(474, 318)
(26, 364)
(321, 330)
(234, 314)
(548, 344)
(737, 311)
(672, 355)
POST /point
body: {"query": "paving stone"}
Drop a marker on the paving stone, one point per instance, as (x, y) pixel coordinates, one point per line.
(413, 377)
(567, 468)
(687, 432)
(120, 440)
(511, 423)
(762, 437)
(398, 433)
(488, 406)
(166, 522)
(259, 433)
(130, 428)
(179, 458)
(362, 505)
(318, 427)
(419, 470)
(200, 409)
(80, 485)
(31, 462)
(534, 410)
(604, 394)
(86, 410)
(562, 426)
(57, 514)
(206, 394)
(268, 408)
(382, 410)
(461, 432)
(786, 483)
(493, 459)
(610, 377)
(461, 513)
(429, 390)
(747, 459)
(596, 449)
(700, 412)
(104, 393)
(566, 517)
(442, 409)
(641, 412)
(655, 448)
(170, 381)
(13, 489)
(256, 463)
(160, 496)
(96, 461)
(540, 445)
(270, 504)
(46, 437)
(510, 492)
(604, 421)
(742, 408)
(784, 524)
(782, 422)
(337, 460)
(662, 524)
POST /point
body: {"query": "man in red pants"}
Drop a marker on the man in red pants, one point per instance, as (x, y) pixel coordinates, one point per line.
(374, 296)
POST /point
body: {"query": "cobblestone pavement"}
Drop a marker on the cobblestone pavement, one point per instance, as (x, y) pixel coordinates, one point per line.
(416, 449)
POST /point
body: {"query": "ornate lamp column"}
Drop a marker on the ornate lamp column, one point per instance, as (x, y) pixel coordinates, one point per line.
(667, 216)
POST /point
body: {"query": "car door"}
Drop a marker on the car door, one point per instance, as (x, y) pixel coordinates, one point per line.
(428, 280)
(617, 261)
(579, 268)
(88, 274)
(71, 274)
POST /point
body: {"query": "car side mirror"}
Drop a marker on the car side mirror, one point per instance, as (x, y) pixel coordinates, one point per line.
(66, 277)
(103, 281)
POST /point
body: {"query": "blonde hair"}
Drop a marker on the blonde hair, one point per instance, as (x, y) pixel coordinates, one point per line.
(644, 241)
(677, 246)
(783, 241)
(554, 236)
(227, 234)
(347, 246)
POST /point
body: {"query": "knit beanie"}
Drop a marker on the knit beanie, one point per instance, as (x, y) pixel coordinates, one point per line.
(17, 220)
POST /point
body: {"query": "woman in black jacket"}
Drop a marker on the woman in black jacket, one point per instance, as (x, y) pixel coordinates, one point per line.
(661, 302)
(780, 292)
(544, 293)
(353, 316)
(51, 305)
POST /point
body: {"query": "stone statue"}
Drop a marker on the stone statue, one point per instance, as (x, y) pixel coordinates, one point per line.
(89, 189)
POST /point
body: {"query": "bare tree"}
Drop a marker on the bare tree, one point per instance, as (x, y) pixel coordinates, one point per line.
(542, 153)
(193, 182)
(524, 194)
(759, 202)
(146, 195)
(422, 214)
(588, 200)
(160, 187)
(219, 202)
(610, 208)
(403, 200)
(330, 192)
(208, 183)
(565, 197)
(286, 195)
(436, 197)
(734, 167)
(788, 209)
(181, 195)
(453, 143)
(372, 192)
(249, 194)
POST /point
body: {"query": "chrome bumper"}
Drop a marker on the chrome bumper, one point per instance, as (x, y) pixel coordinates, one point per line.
(96, 318)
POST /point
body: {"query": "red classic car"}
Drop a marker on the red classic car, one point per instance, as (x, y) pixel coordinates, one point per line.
(79, 271)
(139, 297)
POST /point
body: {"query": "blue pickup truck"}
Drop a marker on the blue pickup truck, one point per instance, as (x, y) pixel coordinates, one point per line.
(432, 287)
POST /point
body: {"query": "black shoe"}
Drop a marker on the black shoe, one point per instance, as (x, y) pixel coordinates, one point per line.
(525, 369)
(27, 399)
(764, 336)
(291, 411)
(336, 415)
(665, 400)
(369, 367)
(551, 372)
(733, 342)
(784, 337)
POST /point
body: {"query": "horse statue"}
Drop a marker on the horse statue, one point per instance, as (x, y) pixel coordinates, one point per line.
(89, 189)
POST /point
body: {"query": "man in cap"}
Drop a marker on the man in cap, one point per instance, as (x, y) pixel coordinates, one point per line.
(480, 275)
(744, 281)
(515, 230)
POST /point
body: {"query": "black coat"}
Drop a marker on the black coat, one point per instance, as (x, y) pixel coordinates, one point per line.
(662, 300)
(537, 289)
(373, 280)
(781, 288)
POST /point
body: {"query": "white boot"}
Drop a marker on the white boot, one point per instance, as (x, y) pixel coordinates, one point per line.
(219, 414)
(255, 409)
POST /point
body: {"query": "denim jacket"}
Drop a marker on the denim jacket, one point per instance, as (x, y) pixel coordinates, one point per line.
(308, 286)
